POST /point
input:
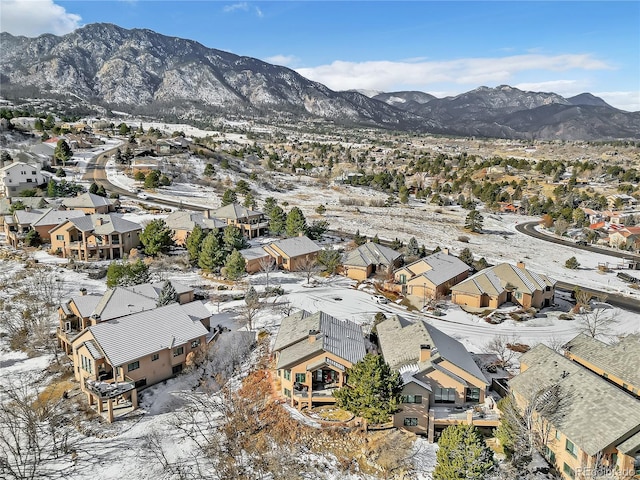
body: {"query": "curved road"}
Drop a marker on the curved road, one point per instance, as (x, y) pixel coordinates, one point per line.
(97, 172)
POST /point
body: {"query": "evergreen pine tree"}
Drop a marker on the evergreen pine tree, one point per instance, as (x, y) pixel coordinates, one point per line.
(295, 223)
(462, 453)
(167, 295)
(373, 391)
(276, 220)
(62, 152)
(234, 266)
(193, 244)
(211, 255)
(474, 221)
(156, 237)
(232, 239)
(413, 250)
(466, 256)
(269, 204)
(52, 191)
(359, 239)
(229, 197)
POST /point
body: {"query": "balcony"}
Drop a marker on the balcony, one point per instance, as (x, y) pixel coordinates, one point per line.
(477, 414)
(108, 390)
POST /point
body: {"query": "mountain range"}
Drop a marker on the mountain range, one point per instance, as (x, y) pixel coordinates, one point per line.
(143, 72)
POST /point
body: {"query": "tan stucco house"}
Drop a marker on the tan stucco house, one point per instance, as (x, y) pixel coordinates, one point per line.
(503, 283)
(182, 224)
(95, 237)
(584, 423)
(293, 253)
(369, 259)
(255, 258)
(17, 225)
(443, 385)
(90, 203)
(251, 223)
(313, 353)
(431, 276)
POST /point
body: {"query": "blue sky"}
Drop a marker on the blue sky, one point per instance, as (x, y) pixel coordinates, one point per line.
(443, 48)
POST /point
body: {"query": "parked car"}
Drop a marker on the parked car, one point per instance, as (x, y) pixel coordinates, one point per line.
(582, 243)
(381, 299)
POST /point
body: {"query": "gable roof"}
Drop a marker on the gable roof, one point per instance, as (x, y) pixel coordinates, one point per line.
(87, 200)
(101, 224)
(152, 290)
(400, 342)
(85, 304)
(593, 413)
(233, 211)
(494, 280)
(621, 360)
(12, 165)
(121, 301)
(181, 220)
(296, 246)
(55, 217)
(371, 253)
(343, 338)
(444, 267)
(126, 339)
(255, 253)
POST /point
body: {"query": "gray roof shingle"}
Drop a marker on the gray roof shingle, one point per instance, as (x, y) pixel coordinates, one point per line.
(297, 246)
(129, 338)
(370, 254)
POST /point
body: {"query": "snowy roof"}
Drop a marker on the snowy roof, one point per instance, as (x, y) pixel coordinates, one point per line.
(126, 339)
(181, 220)
(621, 360)
(102, 224)
(493, 280)
(401, 341)
(234, 211)
(343, 338)
(196, 310)
(254, 253)
(592, 413)
(87, 200)
(444, 267)
(370, 254)
(120, 301)
(297, 246)
(55, 217)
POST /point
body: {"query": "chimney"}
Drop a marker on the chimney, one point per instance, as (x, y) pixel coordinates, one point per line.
(207, 213)
(445, 251)
(83, 291)
(425, 352)
(521, 264)
(99, 221)
(313, 335)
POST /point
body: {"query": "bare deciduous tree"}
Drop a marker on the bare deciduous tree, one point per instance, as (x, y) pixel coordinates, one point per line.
(499, 345)
(252, 306)
(267, 266)
(597, 323)
(308, 266)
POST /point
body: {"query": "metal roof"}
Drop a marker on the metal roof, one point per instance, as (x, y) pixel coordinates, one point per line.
(254, 253)
(444, 267)
(129, 338)
(103, 224)
(120, 301)
(86, 304)
(592, 413)
(55, 217)
(493, 280)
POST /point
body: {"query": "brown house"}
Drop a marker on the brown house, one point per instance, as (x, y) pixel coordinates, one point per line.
(90, 203)
(115, 358)
(292, 254)
(584, 424)
(17, 225)
(95, 237)
(442, 383)
(431, 276)
(251, 223)
(256, 258)
(368, 259)
(313, 353)
(503, 283)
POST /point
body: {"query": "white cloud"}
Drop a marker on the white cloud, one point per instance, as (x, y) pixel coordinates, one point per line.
(35, 17)
(236, 6)
(629, 101)
(259, 12)
(388, 75)
(285, 60)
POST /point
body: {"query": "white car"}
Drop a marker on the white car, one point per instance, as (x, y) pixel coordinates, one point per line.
(143, 196)
(381, 299)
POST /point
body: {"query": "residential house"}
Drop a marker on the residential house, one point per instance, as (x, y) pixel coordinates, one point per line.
(443, 385)
(17, 226)
(293, 254)
(182, 224)
(586, 424)
(16, 177)
(27, 202)
(172, 145)
(621, 200)
(313, 353)
(502, 283)
(256, 259)
(431, 276)
(116, 358)
(618, 363)
(626, 238)
(90, 203)
(369, 259)
(97, 236)
(251, 223)
(81, 311)
(146, 164)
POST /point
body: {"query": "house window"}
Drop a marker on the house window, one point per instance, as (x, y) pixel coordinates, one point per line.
(287, 393)
(155, 357)
(412, 399)
(177, 369)
(33, 172)
(87, 366)
(569, 471)
(605, 375)
(550, 455)
(472, 395)
(133, 366)
(445, 395)
(518, 295)
(625, 386)
(287, 374)
(178, 351)
(195, 343)
(557, 434)
(571, 448)
(285, 261)
(411, 422)
(301, 377)
(60, 238)
(403, 278)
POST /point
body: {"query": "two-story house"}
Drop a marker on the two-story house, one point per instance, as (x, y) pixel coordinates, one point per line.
(90, 203)
(16, 177)
(251, 223)
(182, 224)
(585, 424)
(293, 254)
(313, 354)
(443, 385)
(97, 236)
